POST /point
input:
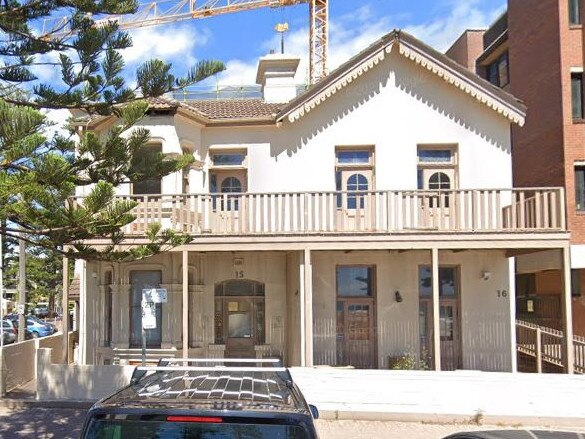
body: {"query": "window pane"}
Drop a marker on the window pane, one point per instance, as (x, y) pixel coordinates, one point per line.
(574, 12)
(577, 95)
(580, 187)
(439, 180)
(434, 155)
(503, 70)
(354, 281)
(228, 159)
(231, 184)
(425, 281)
(349, 157)
(447, 281)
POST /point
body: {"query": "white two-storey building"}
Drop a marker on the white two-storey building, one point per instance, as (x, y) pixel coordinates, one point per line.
(367, 218)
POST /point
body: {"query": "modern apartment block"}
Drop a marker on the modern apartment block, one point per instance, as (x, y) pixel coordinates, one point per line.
(535, 51)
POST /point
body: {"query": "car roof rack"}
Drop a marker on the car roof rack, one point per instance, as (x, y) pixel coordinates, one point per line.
(233, 383)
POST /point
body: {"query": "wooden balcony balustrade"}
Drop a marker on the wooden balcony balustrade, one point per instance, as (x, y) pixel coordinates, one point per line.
(394, 211)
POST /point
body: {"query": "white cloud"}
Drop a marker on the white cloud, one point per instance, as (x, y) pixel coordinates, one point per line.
(176, 44)
(443, 32)
(57, 119)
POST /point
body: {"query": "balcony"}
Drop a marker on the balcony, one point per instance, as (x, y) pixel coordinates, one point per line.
(375, 212)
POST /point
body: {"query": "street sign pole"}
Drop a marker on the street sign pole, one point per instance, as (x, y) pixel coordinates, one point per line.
(143, 338)
(150, 297)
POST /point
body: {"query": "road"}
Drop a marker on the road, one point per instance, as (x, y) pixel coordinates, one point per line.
(66, 424)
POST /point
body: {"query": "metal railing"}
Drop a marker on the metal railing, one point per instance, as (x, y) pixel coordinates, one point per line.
(546, 346)
(466, 211)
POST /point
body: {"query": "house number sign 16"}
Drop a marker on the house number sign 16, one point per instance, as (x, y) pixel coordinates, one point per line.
(502, 293)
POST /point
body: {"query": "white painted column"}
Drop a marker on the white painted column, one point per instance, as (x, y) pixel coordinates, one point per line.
(568, 352)
(185, 304)
(512, 297)
(308, 328)
(65, 315)
(302, 309)
(436, 315)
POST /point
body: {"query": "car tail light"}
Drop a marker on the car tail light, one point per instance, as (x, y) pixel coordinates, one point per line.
(206, 419)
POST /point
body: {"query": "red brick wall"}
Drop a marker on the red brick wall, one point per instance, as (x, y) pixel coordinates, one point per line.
(535, 77)
(574, 133)
(467, 48)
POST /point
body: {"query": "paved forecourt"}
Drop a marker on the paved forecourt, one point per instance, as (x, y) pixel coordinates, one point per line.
(460, 396)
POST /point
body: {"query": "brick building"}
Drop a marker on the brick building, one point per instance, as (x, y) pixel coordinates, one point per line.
(534, 50)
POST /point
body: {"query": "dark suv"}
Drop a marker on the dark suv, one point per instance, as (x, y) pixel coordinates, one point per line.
(188, 399)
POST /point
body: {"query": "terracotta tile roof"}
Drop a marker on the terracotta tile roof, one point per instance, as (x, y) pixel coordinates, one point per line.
(225, 109)
(75, 288)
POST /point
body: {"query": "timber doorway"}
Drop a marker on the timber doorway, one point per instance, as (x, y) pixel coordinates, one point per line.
(356, 320)
(239, 317)
(449, 317)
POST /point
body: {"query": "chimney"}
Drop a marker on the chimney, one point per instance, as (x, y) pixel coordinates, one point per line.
(276, 75)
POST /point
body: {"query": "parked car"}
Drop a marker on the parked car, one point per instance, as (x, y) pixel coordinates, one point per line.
(214, 399)
(41, 311)
(515, 434)
(10, 332)
(36, 326)
(28, 334)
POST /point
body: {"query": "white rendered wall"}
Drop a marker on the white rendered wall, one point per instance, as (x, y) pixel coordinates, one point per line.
(394, 107)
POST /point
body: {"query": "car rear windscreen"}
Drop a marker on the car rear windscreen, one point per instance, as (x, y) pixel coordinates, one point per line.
(126, 429)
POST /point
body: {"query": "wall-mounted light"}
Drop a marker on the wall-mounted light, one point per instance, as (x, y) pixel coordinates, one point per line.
(397, 296)
(485, 275)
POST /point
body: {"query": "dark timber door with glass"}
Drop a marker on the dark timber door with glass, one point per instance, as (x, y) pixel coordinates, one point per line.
(356, 341)
(239, 317)
(140, 280)
(449, 321)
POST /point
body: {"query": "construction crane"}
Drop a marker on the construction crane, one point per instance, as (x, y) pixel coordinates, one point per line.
(169, 11)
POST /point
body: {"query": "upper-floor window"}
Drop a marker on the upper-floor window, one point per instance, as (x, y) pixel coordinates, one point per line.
(228, 159)
(353, 175)
(580, 187)
(150, 186)
(577, 95)
(498, 72)
(436, 167)
(574, 12)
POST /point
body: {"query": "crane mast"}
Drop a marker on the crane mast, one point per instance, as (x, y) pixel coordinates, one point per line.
(170, 11)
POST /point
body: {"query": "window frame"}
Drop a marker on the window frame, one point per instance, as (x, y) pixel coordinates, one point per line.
(456, 276)
(228, 151)
(579, 195)
(574, 11)
(437, 166)
(372, 281)
(577, 114)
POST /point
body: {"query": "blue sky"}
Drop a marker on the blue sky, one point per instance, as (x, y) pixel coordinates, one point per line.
(239, 39)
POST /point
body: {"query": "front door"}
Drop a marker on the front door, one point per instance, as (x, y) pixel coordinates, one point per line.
(356, 341)
(437, 199)
(355, 333)
(239, 317)
(449, 319)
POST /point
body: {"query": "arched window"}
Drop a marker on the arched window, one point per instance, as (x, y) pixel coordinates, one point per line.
(440, 181)
(231, 185)
(356, 183)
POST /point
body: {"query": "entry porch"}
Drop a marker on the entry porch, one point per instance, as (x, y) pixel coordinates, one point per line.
(347, 305)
